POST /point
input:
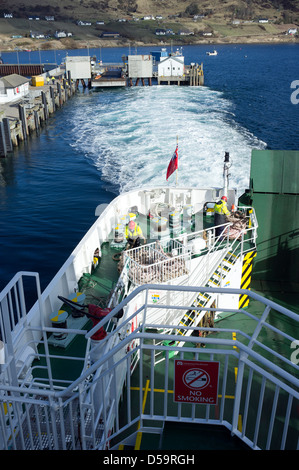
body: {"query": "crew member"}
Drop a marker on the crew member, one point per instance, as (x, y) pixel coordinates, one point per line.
(133, 233)
(221, 213)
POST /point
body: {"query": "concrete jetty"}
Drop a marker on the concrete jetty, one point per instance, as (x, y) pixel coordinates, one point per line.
(22, 118)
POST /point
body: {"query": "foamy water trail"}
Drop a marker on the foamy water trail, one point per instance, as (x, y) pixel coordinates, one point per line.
(131, 135)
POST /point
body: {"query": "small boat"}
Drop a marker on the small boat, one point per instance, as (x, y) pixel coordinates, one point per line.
(212, 53)
(126, 348)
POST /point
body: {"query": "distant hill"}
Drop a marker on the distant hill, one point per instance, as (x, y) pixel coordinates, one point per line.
(91, 10)
(189, 21)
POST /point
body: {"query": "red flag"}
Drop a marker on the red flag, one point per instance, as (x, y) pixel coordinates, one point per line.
(173, 164)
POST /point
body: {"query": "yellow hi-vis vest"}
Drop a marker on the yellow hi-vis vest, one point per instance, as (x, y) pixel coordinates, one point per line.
(221, 208)
(137, 232)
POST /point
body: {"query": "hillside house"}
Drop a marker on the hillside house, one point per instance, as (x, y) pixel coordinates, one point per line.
(13, 87)
(160, 32)
(185, 32)
(59, 34)
(36, 35)
(83, 23)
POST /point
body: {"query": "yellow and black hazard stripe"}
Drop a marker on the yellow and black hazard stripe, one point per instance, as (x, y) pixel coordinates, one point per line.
(246, 277)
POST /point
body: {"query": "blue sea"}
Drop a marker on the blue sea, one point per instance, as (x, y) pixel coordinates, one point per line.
(104, 142)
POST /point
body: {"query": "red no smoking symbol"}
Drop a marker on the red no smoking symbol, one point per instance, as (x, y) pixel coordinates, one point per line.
(196, 379)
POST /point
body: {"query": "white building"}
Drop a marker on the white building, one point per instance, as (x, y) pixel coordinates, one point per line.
(140, 66)
(172, 66)
(83, 23)
(60, 34)
(13, 87)
(78, 66)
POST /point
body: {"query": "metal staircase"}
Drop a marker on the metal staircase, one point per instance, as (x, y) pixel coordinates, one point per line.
(205, 300)
(87, 412)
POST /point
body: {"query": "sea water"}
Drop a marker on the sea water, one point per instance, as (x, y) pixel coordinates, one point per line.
(104, 142)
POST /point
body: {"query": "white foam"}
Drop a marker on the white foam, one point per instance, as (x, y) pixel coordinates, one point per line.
(130, 137)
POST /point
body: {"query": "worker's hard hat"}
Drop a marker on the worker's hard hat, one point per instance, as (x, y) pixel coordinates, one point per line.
(224, 198)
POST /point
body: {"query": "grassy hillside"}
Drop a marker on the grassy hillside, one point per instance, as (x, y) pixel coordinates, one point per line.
(104, 9)
(226, 20)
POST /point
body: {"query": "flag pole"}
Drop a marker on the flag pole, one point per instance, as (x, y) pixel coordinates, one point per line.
(177, 143)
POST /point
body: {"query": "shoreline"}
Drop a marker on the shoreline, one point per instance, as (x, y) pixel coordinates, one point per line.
(12, 45)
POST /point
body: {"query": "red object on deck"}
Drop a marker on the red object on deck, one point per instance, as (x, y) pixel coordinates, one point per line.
(100, 313)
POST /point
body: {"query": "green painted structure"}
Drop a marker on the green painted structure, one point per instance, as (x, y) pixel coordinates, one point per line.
(274, 194)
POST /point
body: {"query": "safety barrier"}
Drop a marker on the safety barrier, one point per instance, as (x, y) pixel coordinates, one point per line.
(169, 258)
(106, 406)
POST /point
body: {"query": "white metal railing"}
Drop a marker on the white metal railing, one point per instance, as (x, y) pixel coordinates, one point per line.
(85, 413)
(161, 262)
(150, 264)
(254, 368)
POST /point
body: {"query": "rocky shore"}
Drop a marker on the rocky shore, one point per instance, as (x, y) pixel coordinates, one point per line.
(8, 44)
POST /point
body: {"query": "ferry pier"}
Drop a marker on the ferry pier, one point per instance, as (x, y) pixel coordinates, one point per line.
(30, 93)
(25, 116)
(158, 67)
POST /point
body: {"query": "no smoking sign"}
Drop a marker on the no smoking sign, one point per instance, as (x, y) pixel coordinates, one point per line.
(196, 382)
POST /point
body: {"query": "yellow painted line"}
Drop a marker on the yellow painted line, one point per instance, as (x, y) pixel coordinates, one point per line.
(234, 335)
(244, 301)
(205, 296)
(236, 373)
(139, 434)
(240, 423)
(188, 317)
(246, 284)
(161, 390)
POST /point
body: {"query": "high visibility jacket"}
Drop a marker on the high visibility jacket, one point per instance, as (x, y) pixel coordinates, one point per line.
(221, 208)
(137, 232)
